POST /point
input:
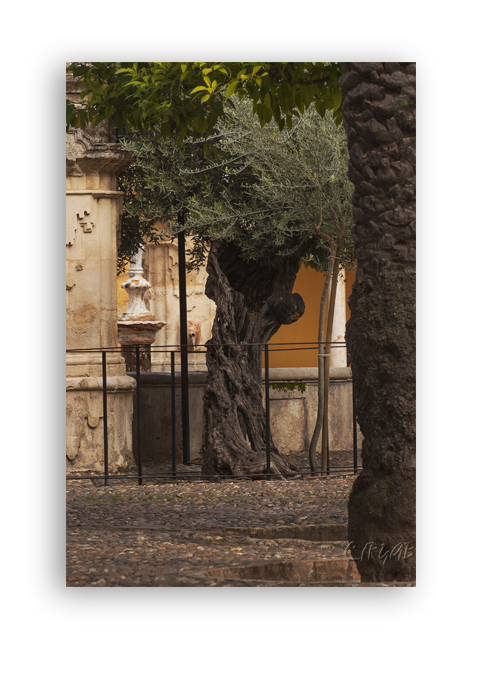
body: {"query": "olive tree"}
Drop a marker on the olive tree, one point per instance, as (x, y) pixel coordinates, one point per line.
(267, 201)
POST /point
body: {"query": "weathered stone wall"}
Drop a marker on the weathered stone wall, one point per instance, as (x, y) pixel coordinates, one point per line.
(85, 415)
(93, 208)
(161, 269)
(293, 409)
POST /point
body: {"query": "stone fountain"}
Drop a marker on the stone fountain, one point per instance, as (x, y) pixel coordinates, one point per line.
(137, 325)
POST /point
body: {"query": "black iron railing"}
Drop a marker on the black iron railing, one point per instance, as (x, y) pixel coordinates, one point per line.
(185, 442)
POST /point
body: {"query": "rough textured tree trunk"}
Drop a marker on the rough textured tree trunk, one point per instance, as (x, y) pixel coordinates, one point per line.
(252, 301)
(379, 118)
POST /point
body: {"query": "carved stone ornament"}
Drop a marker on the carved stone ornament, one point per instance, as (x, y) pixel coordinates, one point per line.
(136, 287)
(95, 148)
(79, 218)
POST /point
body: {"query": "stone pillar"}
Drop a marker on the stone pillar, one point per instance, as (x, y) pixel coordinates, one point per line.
(339, 355)
(161, 268)
(94, 205)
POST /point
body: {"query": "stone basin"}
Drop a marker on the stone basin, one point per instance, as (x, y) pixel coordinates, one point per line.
(334, 570)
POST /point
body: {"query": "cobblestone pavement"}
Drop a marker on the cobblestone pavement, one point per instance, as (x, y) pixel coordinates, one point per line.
(171, 534)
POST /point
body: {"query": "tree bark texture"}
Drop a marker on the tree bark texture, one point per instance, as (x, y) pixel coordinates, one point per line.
(379, 119)
(252, 301)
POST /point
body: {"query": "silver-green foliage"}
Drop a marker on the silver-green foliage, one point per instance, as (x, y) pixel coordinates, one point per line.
(285, 193)
(274, 194)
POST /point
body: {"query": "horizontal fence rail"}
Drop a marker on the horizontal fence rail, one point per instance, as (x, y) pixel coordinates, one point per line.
(181, 349)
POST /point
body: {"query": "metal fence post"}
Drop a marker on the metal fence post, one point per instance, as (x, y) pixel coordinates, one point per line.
(104, 396)
(327, 450)
(354, 425)
(354, 420)
(172, 406)
(184, 359)
(268, 425)
(139, 444)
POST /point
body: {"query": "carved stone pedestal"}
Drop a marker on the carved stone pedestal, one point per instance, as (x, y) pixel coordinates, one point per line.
(132, 333)
(137, 325)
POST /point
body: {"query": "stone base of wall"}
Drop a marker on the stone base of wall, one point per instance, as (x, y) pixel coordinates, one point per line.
(293, 402)
(293, 408)
(85, 418)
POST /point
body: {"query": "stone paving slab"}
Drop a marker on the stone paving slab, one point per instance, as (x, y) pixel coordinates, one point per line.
(226, 504)
(173, 534)
(152, 559)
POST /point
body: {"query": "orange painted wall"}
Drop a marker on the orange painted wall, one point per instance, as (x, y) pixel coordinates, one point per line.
(309, 285)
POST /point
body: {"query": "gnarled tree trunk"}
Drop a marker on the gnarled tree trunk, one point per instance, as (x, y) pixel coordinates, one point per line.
(379, 118)
(252, 301)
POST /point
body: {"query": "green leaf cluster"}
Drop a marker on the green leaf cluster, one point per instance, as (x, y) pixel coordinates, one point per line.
(190, 98)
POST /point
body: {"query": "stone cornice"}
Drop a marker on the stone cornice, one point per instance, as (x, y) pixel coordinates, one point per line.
(96, 193)
(95, 148)
(117, 384)
(79, 167)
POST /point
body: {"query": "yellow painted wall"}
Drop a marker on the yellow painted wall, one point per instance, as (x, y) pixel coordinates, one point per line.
(309, 284)
(122, 295)
(350, 277)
